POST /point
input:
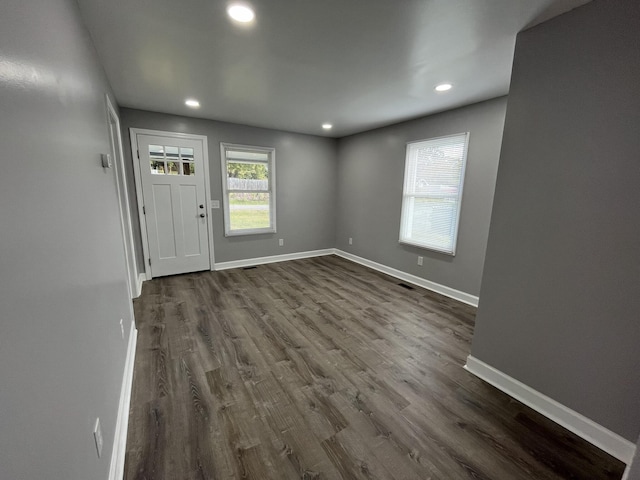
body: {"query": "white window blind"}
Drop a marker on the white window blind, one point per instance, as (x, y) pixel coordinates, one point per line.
(433, 180)
(248, 175)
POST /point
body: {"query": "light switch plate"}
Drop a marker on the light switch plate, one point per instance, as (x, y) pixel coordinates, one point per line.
(215, 203)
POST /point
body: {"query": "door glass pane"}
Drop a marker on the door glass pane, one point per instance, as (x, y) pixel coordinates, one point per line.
(186, 153)
(248, 211)
(157, 167)
(247, 176)
(156, 151)
(172, 152)
(188, 168)
(173, 168)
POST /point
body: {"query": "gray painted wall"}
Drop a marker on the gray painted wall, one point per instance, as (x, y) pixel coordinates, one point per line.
(560, 294)
(62, 269)
(305, 183)
(370, 183)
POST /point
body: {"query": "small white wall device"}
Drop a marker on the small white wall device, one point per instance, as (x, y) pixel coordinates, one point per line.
(106, 160)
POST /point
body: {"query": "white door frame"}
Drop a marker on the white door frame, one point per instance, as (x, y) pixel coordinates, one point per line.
(123, 202)
(133, 133)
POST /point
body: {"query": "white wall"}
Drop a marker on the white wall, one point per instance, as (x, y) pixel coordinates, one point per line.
(62, 272)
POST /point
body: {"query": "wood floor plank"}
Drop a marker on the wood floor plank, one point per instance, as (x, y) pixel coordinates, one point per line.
(324, 369)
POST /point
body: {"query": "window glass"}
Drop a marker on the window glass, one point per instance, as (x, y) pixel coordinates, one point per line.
(249, 211)
(432, 195)
(249, 205)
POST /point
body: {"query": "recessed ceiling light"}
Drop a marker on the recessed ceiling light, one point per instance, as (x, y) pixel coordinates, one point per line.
(190, 102)
(327, 126)
(240, 13)
(443, 87)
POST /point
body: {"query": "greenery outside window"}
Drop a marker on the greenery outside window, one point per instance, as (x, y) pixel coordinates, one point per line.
(248, 185)
(432, 195)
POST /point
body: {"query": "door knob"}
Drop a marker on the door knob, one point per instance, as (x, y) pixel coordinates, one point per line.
(202, 215)
(201, 206)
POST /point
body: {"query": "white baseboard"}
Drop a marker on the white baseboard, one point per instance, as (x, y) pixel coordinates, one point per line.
(407, 277)
(116, 470)
(596, 434)
(250, 262)
(141, 279)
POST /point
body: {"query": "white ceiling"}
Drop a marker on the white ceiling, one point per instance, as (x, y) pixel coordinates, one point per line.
(358, 64)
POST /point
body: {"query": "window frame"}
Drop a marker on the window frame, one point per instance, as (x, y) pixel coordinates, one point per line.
(406, 197)
(271, 166)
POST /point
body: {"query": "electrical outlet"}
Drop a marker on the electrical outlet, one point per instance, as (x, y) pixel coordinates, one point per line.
(420, 261)
(281, 242)
(122, 328)
(97, 435)
(350, 241)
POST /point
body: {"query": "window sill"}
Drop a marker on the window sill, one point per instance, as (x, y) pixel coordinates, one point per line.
(426, 247)
(257, 231)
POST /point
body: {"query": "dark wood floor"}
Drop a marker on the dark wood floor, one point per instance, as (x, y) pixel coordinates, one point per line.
(324, 369)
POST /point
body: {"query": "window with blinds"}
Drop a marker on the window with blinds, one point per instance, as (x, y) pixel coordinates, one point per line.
(432, 195)
(249, 189)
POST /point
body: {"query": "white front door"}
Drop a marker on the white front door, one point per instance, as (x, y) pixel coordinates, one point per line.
(173, 189)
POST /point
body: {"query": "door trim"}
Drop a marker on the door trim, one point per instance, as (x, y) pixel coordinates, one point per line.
(122, 191)
(133, 134)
